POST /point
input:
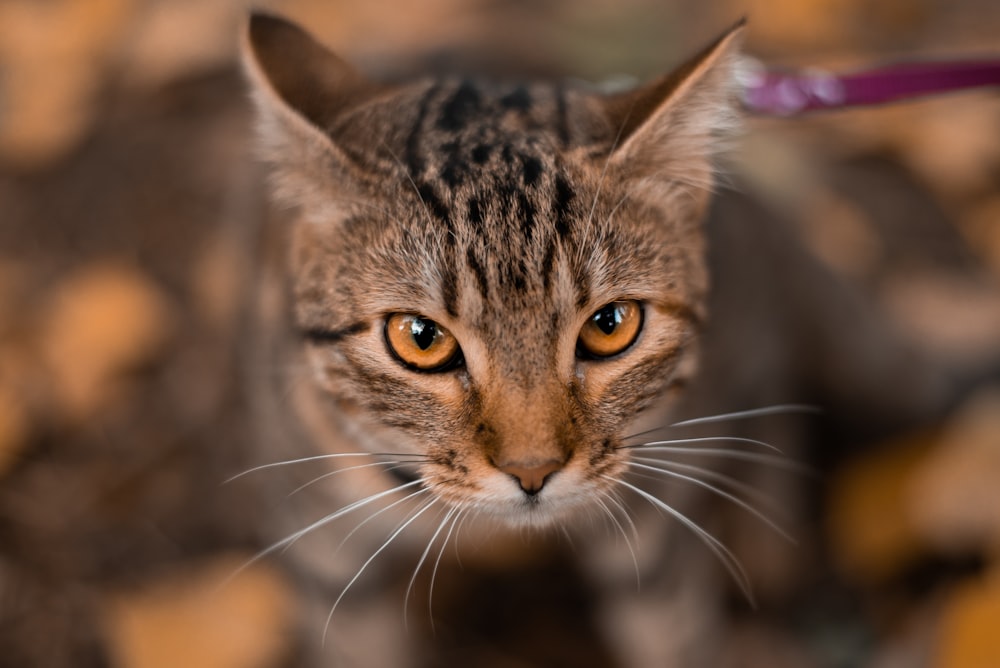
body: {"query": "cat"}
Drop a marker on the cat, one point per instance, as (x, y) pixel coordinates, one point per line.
(500, 301)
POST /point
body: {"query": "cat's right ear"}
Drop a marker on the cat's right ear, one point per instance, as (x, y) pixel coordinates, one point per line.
(299, 88)
(671, 129)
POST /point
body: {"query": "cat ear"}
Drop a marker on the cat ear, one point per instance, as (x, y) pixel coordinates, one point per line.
(669, 130)
(300, 88)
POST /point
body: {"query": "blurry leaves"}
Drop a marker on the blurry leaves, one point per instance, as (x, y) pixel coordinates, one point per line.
(936, 489)
(15, 373)
(54, 55)
(982, 229)
(951, 141)
(933, 494)
(13, 427)
(794, 24)
(199, 618)
(103, 321)
(955, 493)
(957, 317)
(179, 38)
(58, 56)
(870, 523)
(968, 633)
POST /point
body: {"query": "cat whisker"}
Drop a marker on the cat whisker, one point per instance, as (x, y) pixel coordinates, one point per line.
(775, 409)
(719, 492)
(728, 453)
(378, 512)
(329, 474)
(437, 564)
(737, 485)
(701, 439)
(611, 496)
(724, 554)
(409, 178)
(458, 530)
(388, 541)
(617, 206)
(569, 539)
(420, 563)
(287, 541)
(600, 183)
(413, 184)
(621, 529)
(778, 409)
(314, 458)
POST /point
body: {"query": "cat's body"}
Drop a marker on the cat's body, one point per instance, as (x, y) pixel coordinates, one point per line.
(496, 288)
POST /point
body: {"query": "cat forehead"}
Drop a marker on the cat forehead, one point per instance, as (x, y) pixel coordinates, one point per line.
(453, 126)
(501, 169)
(501, 176)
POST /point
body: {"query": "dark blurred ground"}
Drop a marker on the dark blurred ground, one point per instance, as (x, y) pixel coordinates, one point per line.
(124, 250)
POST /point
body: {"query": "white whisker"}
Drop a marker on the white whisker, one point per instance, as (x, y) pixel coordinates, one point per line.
(737, 485)
(287, 541)
(376, 514)
(364, 566)
(437, 563)
(628, 543)
(702, 439)
(409, 177)
(613, 498)
(458, 530)
(725, 555)
(617, 206)
(720, 492)
(569, 539)
(646, 432)
(778, 409)
(423, 558)
(314, 458)
(330, 474)
(600, 182)
(756, 457)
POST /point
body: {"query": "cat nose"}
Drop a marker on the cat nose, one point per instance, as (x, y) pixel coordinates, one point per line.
(531, 476)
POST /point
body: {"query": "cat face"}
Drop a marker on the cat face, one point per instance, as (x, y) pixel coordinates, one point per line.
(496, 278)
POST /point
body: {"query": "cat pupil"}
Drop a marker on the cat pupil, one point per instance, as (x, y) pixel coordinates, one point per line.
(424, 332)
(608, 319)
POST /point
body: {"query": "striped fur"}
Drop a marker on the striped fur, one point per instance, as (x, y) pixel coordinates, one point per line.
(508, 213)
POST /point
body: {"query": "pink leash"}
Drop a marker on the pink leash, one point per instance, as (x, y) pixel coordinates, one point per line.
(787, 94)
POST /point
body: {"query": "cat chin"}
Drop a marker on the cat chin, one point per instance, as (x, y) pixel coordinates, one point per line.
(528, 515)
(549, 509)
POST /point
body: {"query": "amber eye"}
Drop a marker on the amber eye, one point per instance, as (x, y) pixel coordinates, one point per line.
(612, 329)
(421, 343)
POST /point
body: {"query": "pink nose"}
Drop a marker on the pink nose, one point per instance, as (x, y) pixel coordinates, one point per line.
(531, 475)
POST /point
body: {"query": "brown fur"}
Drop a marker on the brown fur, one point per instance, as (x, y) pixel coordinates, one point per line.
(509, 214)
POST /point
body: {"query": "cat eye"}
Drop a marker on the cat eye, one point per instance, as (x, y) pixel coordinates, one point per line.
(610, 330)
(420, 343)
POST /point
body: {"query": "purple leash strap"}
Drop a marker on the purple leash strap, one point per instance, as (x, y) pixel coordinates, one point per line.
(773, 93)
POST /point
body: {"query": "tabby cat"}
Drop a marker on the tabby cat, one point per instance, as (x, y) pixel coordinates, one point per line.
(499, 292)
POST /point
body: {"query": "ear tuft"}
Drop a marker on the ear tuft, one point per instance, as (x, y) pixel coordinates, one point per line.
(670, 129)
(302, 73)
(300, 88)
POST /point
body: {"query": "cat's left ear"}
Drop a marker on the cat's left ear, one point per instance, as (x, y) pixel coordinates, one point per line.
(300, 88)
(670, 130)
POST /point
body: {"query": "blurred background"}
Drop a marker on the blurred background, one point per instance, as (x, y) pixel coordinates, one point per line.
(124, 257)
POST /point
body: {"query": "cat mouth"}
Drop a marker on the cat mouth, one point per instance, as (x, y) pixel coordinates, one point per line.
(563, 497)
